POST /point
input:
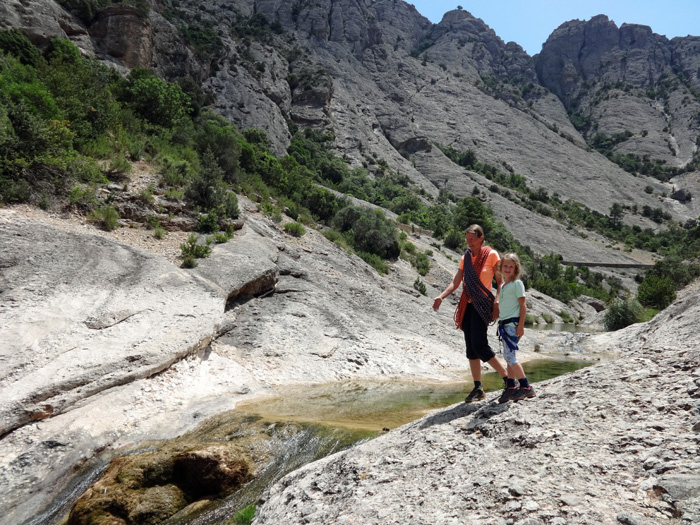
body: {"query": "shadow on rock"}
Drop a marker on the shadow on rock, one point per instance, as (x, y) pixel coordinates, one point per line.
(481, 413)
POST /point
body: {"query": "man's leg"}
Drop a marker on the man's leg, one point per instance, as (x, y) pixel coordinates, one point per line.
(475, 368)
(498, 367)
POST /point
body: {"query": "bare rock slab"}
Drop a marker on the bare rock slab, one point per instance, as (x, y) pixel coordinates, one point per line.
(80, 314)
(612, 443)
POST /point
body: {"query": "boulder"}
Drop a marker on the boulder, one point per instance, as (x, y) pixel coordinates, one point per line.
(152, 486)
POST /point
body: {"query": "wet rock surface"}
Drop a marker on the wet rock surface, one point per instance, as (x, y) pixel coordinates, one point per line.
(150, 487)
(614, 443)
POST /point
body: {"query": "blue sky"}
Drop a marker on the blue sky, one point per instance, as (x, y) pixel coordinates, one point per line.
(530, 22)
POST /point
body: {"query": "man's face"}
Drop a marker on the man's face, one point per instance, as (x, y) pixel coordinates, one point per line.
(474, 242)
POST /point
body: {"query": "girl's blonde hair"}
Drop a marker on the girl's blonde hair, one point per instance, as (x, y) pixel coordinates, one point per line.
(514, 259)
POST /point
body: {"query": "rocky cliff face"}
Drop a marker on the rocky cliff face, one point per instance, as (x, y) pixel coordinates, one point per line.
(390, 84)
(627, 80)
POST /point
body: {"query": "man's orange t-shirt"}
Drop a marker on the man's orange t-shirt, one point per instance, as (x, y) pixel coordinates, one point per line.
(487, 271)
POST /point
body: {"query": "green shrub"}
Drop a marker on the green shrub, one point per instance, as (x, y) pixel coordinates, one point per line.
(622, 313)
(146, 195)
(176, 172)
(222, 238)
(336, 237)
(374, 261)
(63, 50)
(245, 516)
(257, 137)
(271, 211)
(230, 205)
(191, 248)
(529, 320)
(208, 190)
(422, 263)
(119, 164)
(566, 317)
(98, 147)
(159, 232)
(85, 170)
(136, 148)
(368, 231)
(156, 100)
(295, 228)
(455, 240)
(205, 40)
(84, 197)
(213, 132)
(656, 292)
(14, 190)
(14, 42)
(44, 202)
(678, 271)
(404, 218)
(106, 216)
(208, 223)
(174, 194)
(548, 318)
(420, 286)
(189, 261)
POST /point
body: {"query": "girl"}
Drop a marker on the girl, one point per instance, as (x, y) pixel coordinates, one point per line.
(511, 326)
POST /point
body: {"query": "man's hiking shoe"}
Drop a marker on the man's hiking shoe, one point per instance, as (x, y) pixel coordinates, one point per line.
(507, 394)
(523, 393)
(475, 395)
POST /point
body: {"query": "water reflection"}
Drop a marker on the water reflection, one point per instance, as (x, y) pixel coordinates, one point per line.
(309, 422)
(568, 327)
(377, 405)
(306, 423)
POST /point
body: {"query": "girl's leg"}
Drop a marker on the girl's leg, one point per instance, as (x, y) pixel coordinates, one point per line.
(517, 370)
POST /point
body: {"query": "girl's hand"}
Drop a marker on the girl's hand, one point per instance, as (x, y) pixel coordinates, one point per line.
(520, 331)
(436, 303)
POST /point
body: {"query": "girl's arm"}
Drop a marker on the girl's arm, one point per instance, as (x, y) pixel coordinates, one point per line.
(520, 331)
(499, 281)
(497, 301)
(447, 291)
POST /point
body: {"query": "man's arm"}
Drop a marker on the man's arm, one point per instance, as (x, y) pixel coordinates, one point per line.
(447, 291)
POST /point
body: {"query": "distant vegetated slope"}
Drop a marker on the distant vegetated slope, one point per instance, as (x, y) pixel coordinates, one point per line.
(590, 142)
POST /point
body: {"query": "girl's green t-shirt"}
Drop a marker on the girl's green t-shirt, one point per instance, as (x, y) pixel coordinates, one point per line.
(510, 293)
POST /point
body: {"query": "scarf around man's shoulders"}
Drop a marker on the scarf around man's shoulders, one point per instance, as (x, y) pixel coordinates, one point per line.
(474, 290)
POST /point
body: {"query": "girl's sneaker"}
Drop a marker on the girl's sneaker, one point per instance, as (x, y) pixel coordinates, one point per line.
(507, 394)
(523, 393)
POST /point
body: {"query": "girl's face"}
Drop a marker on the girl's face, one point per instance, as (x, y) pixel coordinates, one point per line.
(508, 269)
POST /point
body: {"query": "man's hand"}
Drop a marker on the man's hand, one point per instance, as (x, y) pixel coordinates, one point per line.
(436, 303)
